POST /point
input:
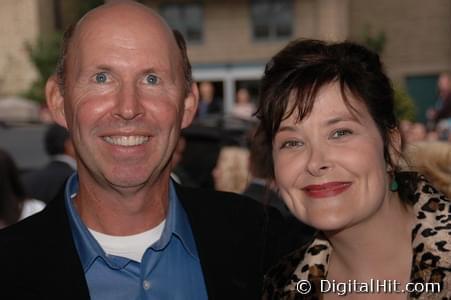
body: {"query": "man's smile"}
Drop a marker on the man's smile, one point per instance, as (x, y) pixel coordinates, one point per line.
(126, 141)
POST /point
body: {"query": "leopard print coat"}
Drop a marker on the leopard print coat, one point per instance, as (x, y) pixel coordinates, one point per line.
(431, 244)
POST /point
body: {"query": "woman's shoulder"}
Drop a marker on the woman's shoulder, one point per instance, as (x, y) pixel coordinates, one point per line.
(308, 262)
(282, 275)
(431, 236)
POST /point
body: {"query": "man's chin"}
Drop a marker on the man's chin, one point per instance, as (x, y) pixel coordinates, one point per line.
(127, 184)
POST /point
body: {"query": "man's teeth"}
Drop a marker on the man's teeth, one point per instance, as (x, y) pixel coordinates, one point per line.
(126, 140)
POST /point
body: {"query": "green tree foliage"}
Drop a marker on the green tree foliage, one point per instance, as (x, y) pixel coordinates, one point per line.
(404, 106)
(375, 42)
(43, 55)
(44, 52)
(86, 5)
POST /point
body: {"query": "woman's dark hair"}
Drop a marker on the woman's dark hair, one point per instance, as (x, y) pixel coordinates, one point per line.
(12, 192)
(303, 67)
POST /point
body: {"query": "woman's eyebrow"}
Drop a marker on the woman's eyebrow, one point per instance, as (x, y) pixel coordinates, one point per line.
(341, 118)
(287, 128)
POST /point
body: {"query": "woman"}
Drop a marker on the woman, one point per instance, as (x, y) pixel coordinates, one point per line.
(326, 112)
(231, 173)
(13, 203)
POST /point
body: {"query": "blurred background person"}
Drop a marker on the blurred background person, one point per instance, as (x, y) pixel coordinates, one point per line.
(327, 112)
(179, 173)
(208, 103)
(231, 173)
(443, 130)
(263, 189)
(404, 127)
(44, 183)
(244, 107)
(415, 132)
(442, 108)
(432, 136)
(14, 204)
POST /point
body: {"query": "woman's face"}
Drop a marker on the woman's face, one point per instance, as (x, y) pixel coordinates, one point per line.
(330, 167)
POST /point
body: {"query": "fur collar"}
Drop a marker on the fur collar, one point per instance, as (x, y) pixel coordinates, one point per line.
(431, 244)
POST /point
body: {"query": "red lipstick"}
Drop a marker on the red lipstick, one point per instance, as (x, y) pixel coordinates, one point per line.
(328, 189)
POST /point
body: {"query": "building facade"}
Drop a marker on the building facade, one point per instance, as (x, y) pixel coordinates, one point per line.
(229, 42)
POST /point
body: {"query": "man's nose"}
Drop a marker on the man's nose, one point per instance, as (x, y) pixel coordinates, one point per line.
(128, 103)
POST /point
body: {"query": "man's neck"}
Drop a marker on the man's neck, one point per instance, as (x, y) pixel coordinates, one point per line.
(112, 212)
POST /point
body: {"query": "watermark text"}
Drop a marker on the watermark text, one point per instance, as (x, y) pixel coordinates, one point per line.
(372, 286)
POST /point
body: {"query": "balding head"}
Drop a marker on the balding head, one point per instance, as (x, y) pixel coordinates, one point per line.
(127, 14)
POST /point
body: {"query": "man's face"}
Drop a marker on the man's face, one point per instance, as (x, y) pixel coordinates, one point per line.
(124, 100)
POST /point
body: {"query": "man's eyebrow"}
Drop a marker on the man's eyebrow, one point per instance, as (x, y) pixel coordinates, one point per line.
(149, 70)
(103, 68)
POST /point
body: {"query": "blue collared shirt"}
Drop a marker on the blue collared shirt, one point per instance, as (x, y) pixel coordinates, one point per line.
(170, 268)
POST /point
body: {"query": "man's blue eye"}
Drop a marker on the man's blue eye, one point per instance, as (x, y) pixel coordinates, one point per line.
(101, 77)
(151, 79)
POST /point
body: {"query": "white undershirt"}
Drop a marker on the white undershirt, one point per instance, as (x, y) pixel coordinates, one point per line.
(130, 246)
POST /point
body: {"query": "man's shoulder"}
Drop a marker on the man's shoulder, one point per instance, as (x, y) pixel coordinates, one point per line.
(35, 251)
(33, 230)
(226, 198)
(23, 232)
(228, 216)
(211, 202)
(23, 246)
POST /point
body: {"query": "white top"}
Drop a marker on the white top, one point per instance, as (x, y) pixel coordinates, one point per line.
(30, 207)
(130, 246)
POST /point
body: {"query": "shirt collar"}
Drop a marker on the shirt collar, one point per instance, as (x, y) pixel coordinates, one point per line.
(177, 226)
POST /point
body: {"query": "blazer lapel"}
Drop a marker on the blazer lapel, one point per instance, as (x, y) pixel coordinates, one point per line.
(59, 256)
(220, 249)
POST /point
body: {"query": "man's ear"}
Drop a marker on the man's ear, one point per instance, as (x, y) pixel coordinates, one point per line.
(55, 101)
(191, 101)
(395, 146)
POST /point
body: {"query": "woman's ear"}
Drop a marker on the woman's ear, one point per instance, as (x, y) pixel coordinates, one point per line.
(395, 146)
(55, 101)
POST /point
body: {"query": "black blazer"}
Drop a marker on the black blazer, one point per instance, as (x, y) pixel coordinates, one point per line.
(237, 240)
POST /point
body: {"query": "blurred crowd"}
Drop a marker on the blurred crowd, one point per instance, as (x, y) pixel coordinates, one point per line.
(222, 157)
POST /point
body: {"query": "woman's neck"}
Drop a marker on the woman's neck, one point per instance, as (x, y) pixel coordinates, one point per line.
(378, 248)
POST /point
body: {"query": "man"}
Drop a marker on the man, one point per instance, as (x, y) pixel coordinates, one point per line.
(208, 103)
(442, 108)
(121, 229)
(44, 184)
